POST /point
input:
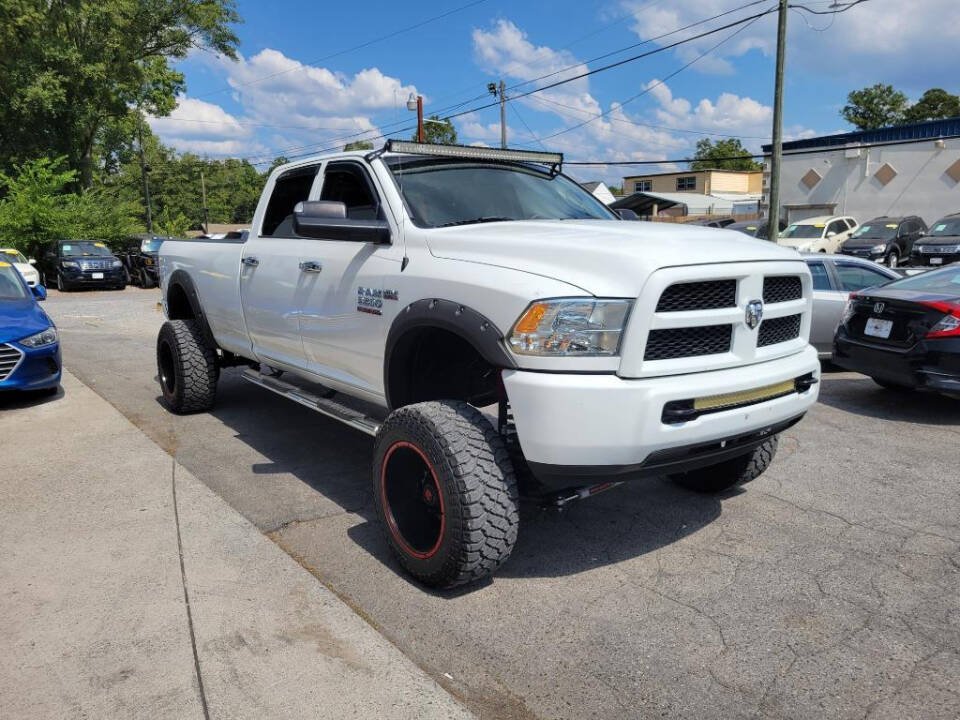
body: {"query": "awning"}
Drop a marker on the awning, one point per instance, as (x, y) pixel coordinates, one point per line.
(643, 203)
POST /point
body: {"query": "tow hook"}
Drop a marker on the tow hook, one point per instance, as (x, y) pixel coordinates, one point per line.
(561, 499)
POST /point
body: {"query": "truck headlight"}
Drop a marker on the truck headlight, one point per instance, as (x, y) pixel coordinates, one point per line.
(578, 327)
(47, 337)
(878, 248)
(116, 264)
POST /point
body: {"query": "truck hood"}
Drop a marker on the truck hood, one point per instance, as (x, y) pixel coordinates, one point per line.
(603, 257)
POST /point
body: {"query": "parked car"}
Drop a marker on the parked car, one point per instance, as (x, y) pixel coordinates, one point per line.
(22, 264)
(885, 239)
(432, 280)
(714, 222)
(941, 246)
(82, 263)
(818, 234)
(754, 228)
(834, 278)
(139, 258)
(29, 346)
(905, 334)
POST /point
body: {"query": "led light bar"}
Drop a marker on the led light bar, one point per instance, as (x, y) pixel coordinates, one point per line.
(715, 402)
(465, 152)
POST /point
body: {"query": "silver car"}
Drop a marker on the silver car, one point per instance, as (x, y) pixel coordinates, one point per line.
(834, 278)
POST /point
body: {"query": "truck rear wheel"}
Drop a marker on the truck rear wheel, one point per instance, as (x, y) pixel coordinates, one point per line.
(187, 367)
(729, 473)
(445, 492)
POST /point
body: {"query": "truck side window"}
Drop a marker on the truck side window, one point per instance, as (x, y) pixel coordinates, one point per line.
(289, 189)
(348, 183)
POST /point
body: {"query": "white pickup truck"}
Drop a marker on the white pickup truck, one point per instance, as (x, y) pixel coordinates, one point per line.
(514, 335)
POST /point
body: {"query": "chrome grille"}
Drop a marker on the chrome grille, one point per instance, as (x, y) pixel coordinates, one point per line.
(96, 264)
(703, 295)
(778, 330)
(782, 288)
(670, 343)
(9, 359)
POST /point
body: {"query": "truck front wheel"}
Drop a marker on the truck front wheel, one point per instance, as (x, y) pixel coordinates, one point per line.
(187, 367)
(445, 492)
(736, 471)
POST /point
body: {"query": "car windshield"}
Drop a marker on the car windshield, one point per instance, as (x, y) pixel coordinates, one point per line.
(152, 245)
(84, 248)
(12, 286)
(803, 231)
(876, 230)
(941, 282)
(442, 193)
(14, 256)
(945, 227)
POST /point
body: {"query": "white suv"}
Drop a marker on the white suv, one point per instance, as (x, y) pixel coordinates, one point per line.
(818, 234)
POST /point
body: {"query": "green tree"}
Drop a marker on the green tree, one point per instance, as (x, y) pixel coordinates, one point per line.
(875, 107)
(935, 103)
(716, 155)
(69, 69)
(438, 132)
(358, 145)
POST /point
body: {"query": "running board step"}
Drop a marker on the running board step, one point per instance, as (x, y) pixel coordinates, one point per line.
(324, 406)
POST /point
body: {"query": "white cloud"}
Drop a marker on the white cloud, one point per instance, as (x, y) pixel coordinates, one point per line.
(198, 119)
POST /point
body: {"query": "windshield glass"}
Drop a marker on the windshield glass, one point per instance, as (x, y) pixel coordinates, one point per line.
(11, 286)
(942, 282)
(152, 245)
(84, 248)
(803, 231)
(876, 231)
(945, 227)
(440, 193)
(14, 256)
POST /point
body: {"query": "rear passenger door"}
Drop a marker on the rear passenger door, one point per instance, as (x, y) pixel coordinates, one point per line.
(828, 302)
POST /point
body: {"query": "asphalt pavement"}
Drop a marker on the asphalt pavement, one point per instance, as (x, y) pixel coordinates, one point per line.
(828, 588)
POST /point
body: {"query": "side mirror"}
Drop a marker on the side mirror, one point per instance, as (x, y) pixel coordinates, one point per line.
(32, 261)
(327, 220)
(626, 214)
(39, 292)
(831, 233)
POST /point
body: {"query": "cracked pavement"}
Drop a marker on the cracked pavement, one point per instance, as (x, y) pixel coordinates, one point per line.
(829, 587)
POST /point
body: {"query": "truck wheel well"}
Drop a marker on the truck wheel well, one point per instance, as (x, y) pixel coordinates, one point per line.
(178, 304)
(429, 363)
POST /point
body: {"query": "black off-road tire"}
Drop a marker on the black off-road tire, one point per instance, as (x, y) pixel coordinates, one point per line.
(187, 367)
(729, 473)
(463, 464)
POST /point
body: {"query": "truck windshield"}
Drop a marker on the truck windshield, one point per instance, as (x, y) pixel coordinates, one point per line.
(442, 193)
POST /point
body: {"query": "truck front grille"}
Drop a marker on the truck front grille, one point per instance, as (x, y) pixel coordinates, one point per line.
(670, 343)
(704, 295)
(778, 330)
(9, 359)
(782, 288)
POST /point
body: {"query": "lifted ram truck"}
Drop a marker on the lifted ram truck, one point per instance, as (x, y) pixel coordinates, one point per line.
(430, 282)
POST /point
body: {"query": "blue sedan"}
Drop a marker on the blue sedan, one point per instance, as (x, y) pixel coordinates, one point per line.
(29, 347)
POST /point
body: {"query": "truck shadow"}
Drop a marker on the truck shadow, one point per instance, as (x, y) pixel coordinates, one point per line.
(636, 518)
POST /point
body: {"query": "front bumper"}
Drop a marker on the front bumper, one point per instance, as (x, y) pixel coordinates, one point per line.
(930, 259)
(83, 278)
(932, 364)
(571, 427)
(867, 253)
(38, 369)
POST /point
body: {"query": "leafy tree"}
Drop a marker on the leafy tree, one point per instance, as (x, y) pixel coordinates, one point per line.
(358, 145)
(935, 103)
(875, 107)
(438, 132)
(712, 155)
(70, 69)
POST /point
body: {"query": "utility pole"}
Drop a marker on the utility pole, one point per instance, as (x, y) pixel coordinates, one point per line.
(203, 191)
(420, 137)
(144, 169)
(499, 91)
(773, 215)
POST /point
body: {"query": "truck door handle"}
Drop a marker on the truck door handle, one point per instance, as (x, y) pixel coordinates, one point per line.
(311, 266)
(250, 261)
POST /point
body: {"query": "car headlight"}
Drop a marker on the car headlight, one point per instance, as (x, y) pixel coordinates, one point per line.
(116, 264)
(70, 264)
(878, 248)
(47, 337)
(570, 327)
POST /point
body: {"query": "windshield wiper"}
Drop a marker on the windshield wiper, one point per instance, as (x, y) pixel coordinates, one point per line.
(471, 221)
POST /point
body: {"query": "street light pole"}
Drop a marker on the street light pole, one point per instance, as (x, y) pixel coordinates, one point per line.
(776, 154)
(420, 118)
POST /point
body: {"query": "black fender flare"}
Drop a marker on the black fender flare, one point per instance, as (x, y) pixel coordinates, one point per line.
(454, 317)
(181, 278)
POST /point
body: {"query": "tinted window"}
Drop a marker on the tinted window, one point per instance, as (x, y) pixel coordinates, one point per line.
(857, 277)
(837, 226)
(821, 281)
(945, 282)
(348, 183)
(290, 188)
(852, 223)
(803, 231)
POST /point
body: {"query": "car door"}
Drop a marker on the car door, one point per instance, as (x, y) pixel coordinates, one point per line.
(271, 283)
(828, 303)
(350, 301)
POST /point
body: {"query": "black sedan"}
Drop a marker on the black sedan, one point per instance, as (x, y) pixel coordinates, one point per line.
(905, 334)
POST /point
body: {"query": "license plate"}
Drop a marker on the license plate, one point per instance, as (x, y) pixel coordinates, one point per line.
(97, 276)
(878, 328)
(936, 261)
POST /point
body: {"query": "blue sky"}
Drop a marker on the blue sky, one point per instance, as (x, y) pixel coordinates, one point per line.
(300, 87)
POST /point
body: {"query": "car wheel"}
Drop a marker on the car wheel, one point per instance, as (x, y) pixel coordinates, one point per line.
(61, 285)
(187, 367)
(729, 473)
(445, 492)
(893, 259)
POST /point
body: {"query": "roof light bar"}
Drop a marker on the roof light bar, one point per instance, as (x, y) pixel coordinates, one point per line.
(465, 152)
